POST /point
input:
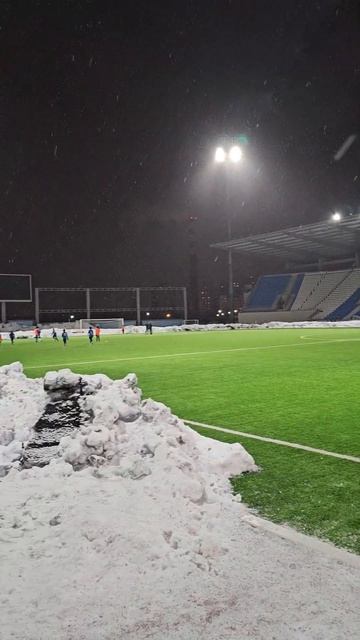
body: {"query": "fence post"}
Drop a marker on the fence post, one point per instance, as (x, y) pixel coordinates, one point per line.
(37, 306)
(185, 304)
(3, 312)
(88, 304)
(138, 308)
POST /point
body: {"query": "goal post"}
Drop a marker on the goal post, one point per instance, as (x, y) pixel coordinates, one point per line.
(103, 323)
(196, 321)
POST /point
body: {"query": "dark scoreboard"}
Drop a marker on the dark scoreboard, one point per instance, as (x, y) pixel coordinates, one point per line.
(15, 288)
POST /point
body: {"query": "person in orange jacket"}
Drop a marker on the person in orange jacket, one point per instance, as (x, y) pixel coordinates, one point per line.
(97, 333)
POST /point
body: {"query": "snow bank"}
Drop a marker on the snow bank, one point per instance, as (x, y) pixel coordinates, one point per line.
(22, 402)
(340, 324)
(132, 532)
(119, 429)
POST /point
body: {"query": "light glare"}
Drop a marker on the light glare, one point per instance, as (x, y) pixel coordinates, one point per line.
(220, 155)
(336, 216)
(235, 154)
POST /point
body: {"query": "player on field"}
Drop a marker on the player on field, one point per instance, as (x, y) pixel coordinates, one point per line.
(90, 334)
(97, 333)
(54, 335)
(12, 337)
(37, 334)
(65, 337)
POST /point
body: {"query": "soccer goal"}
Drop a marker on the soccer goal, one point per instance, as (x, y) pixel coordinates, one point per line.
(191, 321)
(103, 323)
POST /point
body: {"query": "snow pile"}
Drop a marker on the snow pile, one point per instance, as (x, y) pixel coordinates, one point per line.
(132, 532)
(22, 402)
(144, 438)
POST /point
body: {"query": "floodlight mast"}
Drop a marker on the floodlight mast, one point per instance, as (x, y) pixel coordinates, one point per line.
(233, 156)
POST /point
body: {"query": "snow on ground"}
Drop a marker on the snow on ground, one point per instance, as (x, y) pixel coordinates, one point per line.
(132, 532)
(22, 402)
(46, 332)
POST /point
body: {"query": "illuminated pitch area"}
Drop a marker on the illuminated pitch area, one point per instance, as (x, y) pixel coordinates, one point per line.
(292, 385)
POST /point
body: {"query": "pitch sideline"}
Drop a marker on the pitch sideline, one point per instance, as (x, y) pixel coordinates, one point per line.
(284, 443)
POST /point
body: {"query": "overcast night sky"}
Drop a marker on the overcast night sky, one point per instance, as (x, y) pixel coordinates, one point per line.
(110, 111)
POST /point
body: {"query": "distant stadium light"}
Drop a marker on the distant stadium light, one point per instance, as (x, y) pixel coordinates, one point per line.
(220, 155)
(147, 313)
(219, 310)
(236, 310)
(235, 154)
(336, 217)
(168, 315)
(72, 317)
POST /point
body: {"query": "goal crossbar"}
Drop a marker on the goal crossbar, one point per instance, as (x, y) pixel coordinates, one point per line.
(103, 323)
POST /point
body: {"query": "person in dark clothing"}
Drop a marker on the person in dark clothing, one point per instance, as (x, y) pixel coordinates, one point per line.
(65, 337)
(12, 337)
(90, 334)
(150, 328)
(54, 335)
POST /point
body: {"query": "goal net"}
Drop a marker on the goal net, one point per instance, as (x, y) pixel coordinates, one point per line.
(191, 321)
(103, 323)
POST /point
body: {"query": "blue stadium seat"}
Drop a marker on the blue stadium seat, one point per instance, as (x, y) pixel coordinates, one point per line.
(346, 308)
(268, 291)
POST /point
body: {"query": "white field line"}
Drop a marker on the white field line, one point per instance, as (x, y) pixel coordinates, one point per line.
(190, 353)
(283, 443)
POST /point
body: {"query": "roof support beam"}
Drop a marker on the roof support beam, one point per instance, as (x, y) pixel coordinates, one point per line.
(321, 243)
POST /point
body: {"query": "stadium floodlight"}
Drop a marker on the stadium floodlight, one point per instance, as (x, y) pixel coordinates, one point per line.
(336, 217)
(220, 155)
(230, 156)
(219, 310)
(147, 313)
(235, 154)
(236, 310)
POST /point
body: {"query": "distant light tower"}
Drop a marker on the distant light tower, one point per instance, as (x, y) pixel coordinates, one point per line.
(231, 157)
(336, 217)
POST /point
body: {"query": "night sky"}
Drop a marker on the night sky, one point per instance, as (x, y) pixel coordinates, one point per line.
(110, 111)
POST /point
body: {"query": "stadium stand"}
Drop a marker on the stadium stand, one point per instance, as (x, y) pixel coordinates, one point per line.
(347, 309)
(333, 304)
(304, 290)
(328, 295)
(268, 291)
(316, 287)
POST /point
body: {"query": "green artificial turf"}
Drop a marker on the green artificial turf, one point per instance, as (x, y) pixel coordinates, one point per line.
(274, 383)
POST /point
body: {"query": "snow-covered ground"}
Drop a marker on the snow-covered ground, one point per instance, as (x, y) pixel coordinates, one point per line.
(132, 532)
(47, 331)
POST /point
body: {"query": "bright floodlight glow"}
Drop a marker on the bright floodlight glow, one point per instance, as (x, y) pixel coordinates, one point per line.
(220, 155)
(336, 216)
(147, 313)
(235, 154)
